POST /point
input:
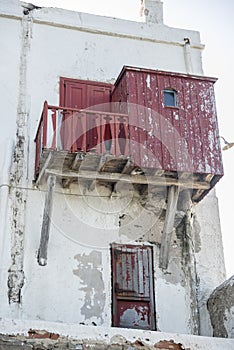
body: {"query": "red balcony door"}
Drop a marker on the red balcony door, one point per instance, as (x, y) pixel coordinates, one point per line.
(81, 94)
(84, 94)
(132, 287)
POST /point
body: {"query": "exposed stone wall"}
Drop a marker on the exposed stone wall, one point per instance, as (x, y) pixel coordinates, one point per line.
(43, 340)
(221, 309)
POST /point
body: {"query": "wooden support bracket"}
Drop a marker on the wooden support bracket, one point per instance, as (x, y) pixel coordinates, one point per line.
(45, 166)
(99, 168)
(77, 160)
(172, 199)
(45, 230)
(126, 170)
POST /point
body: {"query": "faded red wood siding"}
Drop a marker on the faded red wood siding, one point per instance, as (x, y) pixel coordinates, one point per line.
(184, 138)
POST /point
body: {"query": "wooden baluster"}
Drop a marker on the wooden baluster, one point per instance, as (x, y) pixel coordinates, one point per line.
(102, 148)
(74, 125)
(63, 130)
(79, 132)
(117, 148)
(84, 130)
(99, 134)
(44, 124)
(92, 135)
(114, 135)
(68, 131)
(54, 124)
(122, 135)
(127, 148)
(59, 119)
(107, 134)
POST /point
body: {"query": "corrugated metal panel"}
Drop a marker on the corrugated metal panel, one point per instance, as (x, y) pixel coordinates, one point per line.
(132, 281)
(183, 138)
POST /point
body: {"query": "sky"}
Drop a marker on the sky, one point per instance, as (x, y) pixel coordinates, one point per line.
(214, 20)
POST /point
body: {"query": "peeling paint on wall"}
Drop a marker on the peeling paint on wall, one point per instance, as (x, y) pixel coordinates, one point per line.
(89, 270)
(19, 175)
(143, 219)
(188, 263)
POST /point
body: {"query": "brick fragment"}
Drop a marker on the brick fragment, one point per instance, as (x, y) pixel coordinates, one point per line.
(168, 345)
(41, 334)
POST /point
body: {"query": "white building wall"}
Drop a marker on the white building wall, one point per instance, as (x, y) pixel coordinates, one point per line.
(63, 43)
(209, 255)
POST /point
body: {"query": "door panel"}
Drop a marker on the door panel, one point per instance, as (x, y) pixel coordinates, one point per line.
(133, 314)
(76, 96)
(132, 287)
(98, 97)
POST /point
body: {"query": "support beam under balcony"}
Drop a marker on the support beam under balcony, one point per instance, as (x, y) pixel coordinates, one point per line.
(126, 170)
(102, 161)
(45, 230)
(172, 199)
(133, 179)
(45, 166)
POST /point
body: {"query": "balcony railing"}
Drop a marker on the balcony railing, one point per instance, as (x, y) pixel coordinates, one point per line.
(74, 130)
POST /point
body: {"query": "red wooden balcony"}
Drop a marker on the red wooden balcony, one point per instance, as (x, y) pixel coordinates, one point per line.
(70, 131)
(95, 145)
(167, 135)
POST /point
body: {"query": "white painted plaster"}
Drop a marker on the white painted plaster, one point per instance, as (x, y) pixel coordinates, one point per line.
(172, 295)
(9, 88)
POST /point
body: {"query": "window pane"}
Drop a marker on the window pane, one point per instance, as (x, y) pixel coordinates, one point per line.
(169, 98)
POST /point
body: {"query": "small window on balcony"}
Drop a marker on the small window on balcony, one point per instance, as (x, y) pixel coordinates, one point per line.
(170, 98)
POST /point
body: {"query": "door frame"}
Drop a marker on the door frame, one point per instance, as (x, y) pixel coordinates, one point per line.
(152, 303)
(64, 80)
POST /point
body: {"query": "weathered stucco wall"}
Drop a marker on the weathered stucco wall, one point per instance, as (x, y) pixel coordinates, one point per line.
(79, 252)
(75, 286)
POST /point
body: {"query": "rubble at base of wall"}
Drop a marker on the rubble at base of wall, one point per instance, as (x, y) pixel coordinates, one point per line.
(42, 335)
(49, 341)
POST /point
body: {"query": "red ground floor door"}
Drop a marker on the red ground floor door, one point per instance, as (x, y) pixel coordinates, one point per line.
(133, 303)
